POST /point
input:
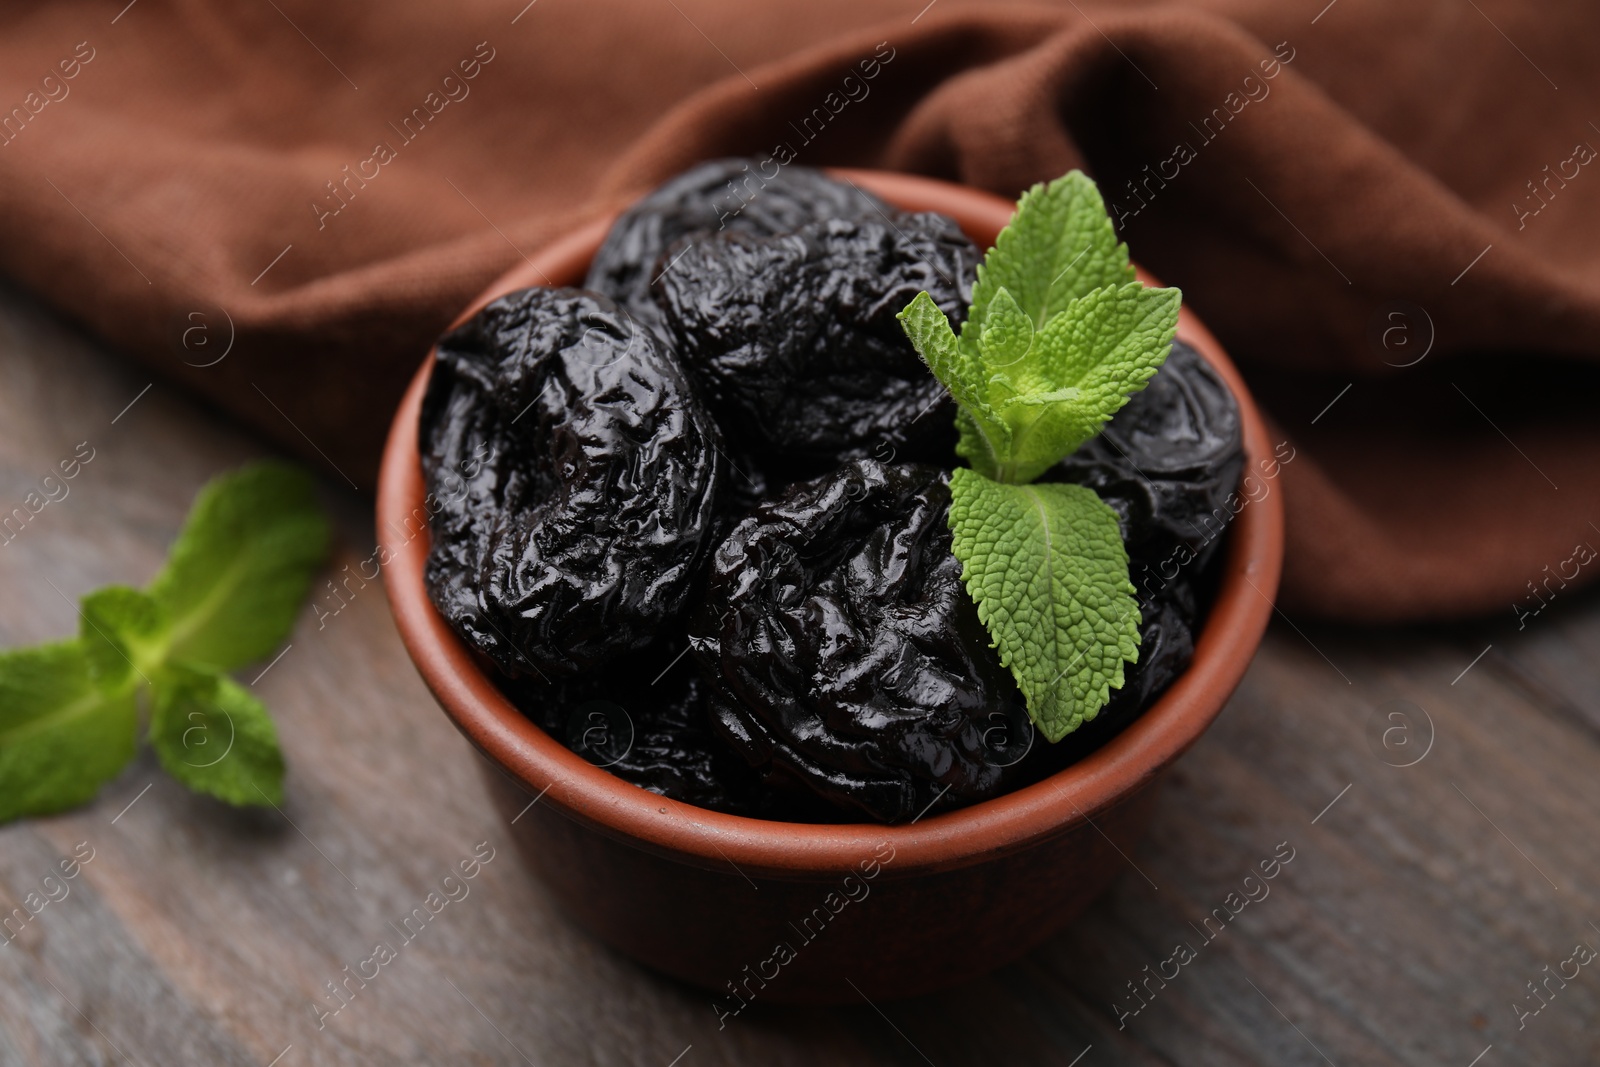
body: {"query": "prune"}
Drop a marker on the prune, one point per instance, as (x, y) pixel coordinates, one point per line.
(795, 341)
(718, 196)
(574, 472)
(1167, 464)
(1165, 648)
(846, 656)
(644, 720)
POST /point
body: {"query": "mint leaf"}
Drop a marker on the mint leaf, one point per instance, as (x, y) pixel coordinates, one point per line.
(124, 634)
(62, 735)
(977, 439)
(1058, 246)
(229, 593)
(214, 736)
(932, 337)
(1059, 334)
(1080, 371)
(984, 435)
(241, 566)
(1004, 341)
(1048, 570)
(1028, 398)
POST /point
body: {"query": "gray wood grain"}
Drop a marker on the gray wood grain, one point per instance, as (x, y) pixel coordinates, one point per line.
(1414, 911)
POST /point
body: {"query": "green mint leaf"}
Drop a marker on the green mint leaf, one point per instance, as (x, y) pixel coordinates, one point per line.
(229, 593)
(984, 436)
(241, 566)
(1048, 570)
(934, 340)
(1059, 334)
(62, 735)
(1080, 371)
(977, 442)
(1003, 343)
(1058, 246)
(214, 736)
(124, 634)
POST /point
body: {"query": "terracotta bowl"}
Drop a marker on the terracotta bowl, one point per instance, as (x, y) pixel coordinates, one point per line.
(774, 911)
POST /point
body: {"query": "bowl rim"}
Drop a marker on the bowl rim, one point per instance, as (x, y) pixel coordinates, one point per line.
(558, 777)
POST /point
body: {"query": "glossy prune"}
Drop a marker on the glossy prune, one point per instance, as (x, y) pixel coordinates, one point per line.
(795, 342)
(845, 654)
(1165, 648)
(644, 720)
(719, 196)
(1167, 464)
(575, 472)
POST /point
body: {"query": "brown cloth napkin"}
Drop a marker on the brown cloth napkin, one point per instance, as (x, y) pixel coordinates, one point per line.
(1384, 209)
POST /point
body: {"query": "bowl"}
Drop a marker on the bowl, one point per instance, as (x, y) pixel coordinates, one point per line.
(757, 910)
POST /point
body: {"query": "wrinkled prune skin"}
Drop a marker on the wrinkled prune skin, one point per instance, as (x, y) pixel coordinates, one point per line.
(719, 196)
(575, 472)
(1165, 648)
(1167, 464)
(846, 656)
(795, 342)
(644, 720)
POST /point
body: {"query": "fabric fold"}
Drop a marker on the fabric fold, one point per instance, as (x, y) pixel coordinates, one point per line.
(1387, 216)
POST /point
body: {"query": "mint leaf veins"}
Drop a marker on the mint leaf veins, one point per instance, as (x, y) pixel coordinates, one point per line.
(228, 595)
(1059, 335)
(1048, 570)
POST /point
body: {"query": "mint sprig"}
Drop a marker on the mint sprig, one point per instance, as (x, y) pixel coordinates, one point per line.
(228, 595)
(1059, 335)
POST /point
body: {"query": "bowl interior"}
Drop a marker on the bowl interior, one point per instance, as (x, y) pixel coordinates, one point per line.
(1111, 774)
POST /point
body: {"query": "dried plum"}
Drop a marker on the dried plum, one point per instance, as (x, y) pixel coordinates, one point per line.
(718, 196)
(572, 473)
(847, 657)
(795, 342)
(1167, 464)
(1165, 648)
(644, 720)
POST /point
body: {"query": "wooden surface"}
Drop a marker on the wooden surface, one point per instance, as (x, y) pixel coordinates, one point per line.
(1414, 911)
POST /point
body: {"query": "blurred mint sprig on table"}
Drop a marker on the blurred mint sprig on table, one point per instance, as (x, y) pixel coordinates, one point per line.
(227, 596)
(1059, 334)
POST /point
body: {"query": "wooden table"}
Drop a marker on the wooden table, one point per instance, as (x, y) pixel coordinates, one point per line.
(1420, 900)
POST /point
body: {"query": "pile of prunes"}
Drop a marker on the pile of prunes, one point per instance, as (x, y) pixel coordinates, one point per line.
(693, 516)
